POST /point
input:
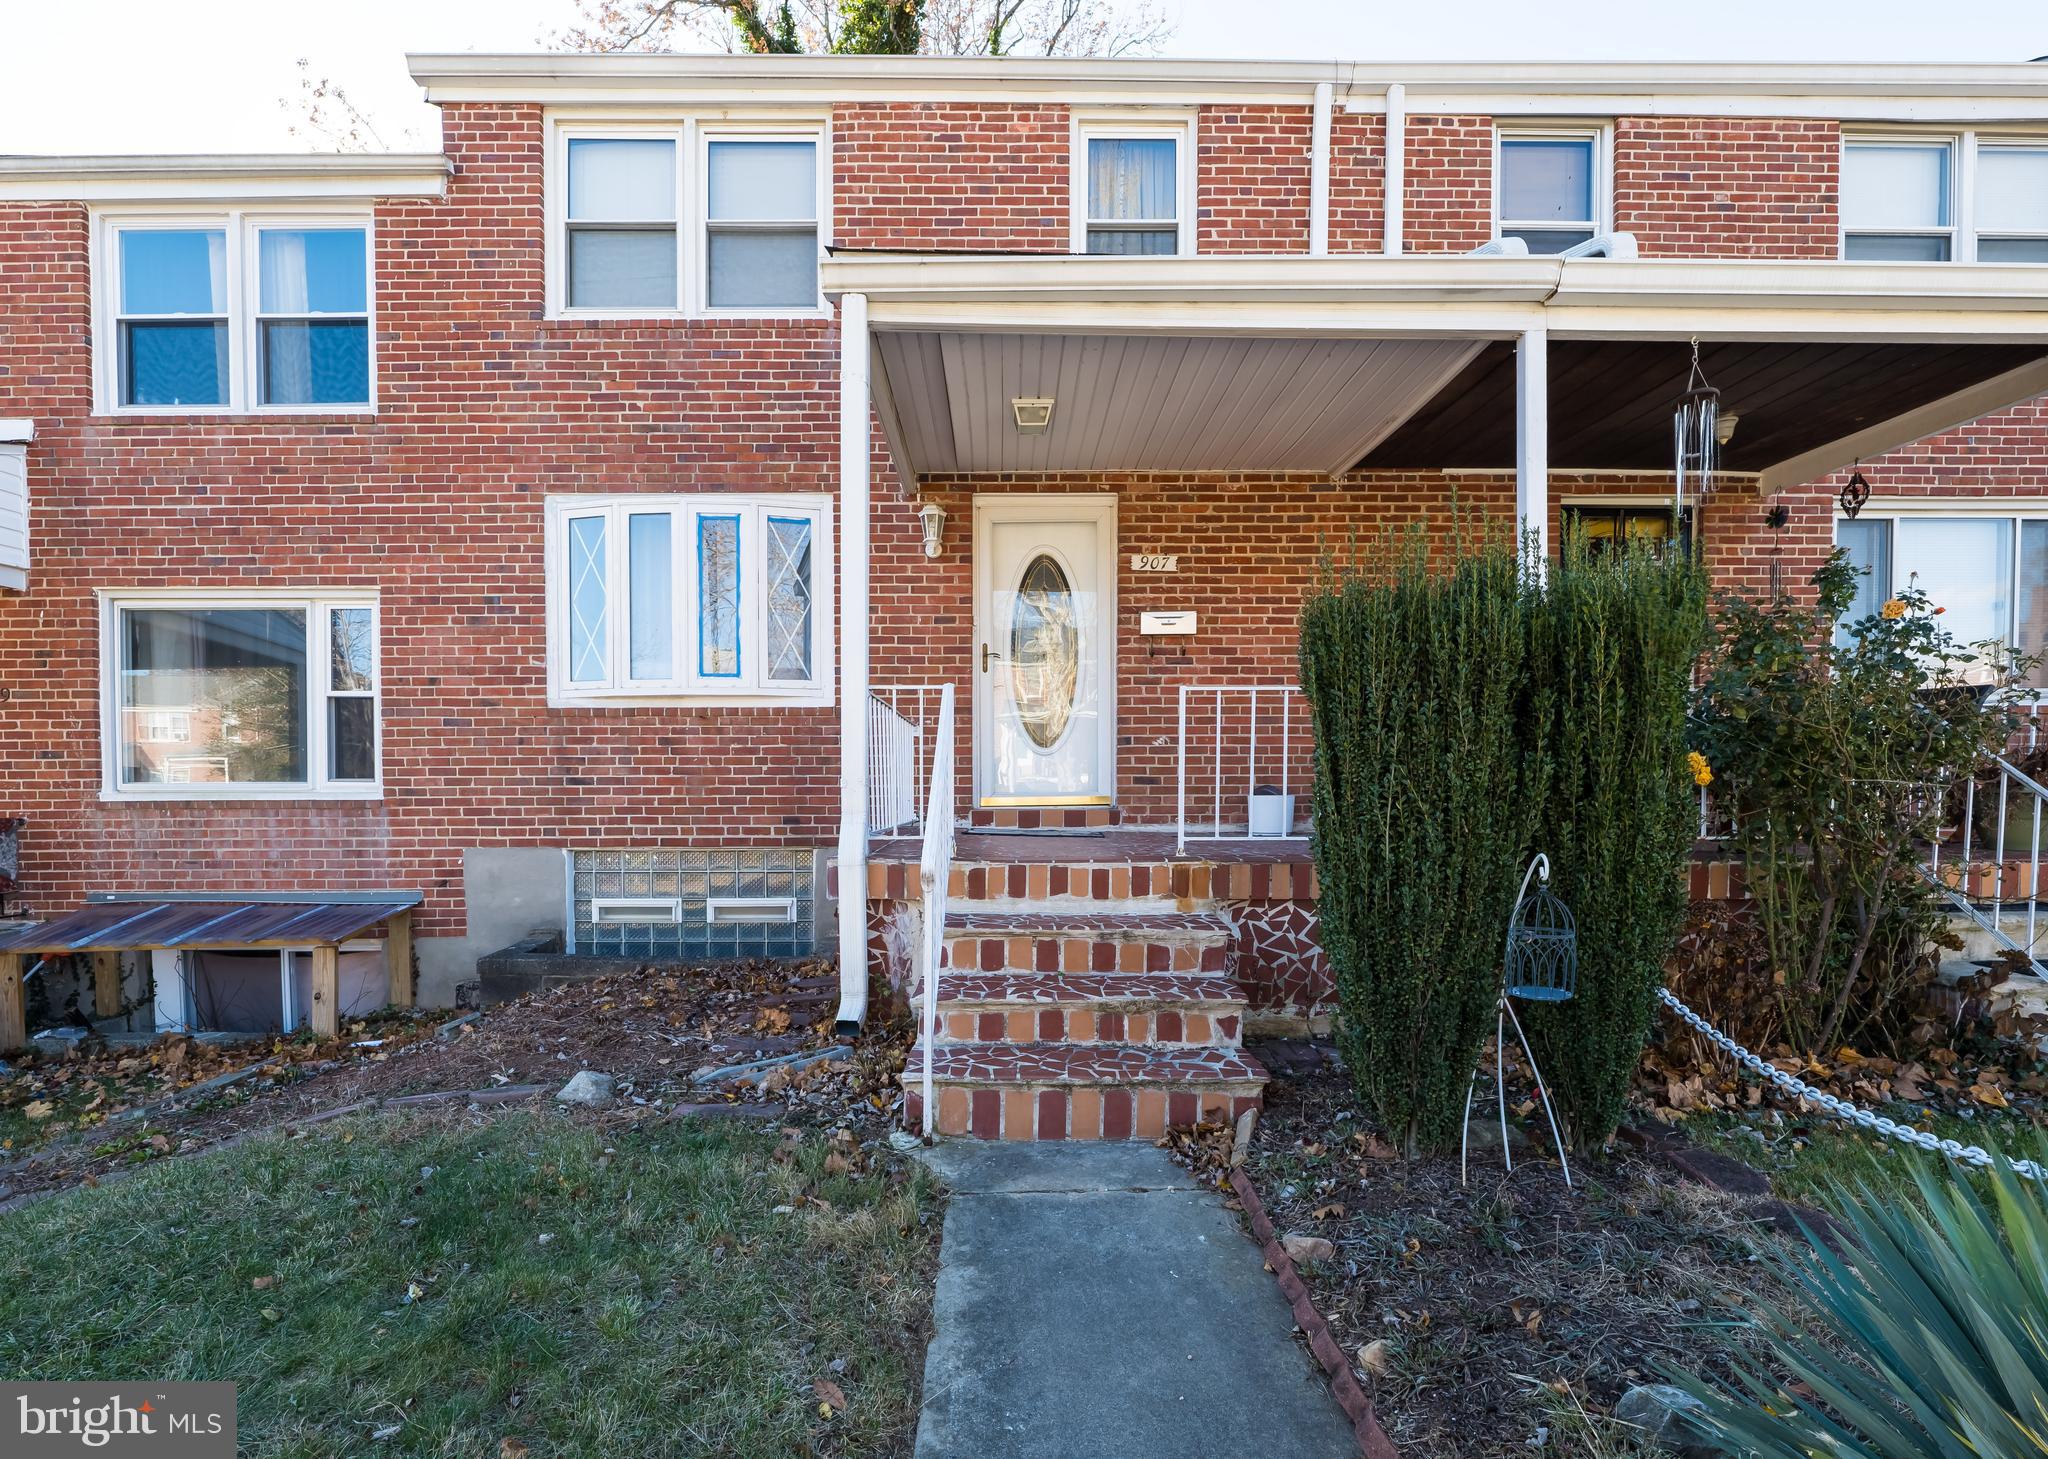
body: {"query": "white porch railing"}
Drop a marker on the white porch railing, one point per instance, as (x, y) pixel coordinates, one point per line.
(934, 870)
(900, 718)
(2004, 897)
(1234, 739)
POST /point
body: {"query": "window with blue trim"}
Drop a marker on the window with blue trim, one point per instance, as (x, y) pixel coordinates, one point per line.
(652, 597)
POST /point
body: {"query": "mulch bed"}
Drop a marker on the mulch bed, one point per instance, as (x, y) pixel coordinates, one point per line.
(106, 1109)
(1496, 1318)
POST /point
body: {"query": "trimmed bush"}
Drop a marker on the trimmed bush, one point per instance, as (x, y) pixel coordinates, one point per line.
(1424, 799)
(1614, 638)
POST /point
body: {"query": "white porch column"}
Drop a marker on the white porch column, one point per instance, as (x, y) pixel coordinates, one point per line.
(855, 472)
(1532, 439)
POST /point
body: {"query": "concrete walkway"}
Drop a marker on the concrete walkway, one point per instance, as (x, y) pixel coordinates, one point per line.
(1095, 1303)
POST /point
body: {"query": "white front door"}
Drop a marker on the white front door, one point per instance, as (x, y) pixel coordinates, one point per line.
(1044, 649)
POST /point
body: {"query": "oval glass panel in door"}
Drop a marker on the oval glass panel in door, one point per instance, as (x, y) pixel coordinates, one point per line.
(1045, 651)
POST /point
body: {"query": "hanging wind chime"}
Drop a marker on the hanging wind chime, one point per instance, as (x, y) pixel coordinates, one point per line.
(1696, 438)
(1541, 965)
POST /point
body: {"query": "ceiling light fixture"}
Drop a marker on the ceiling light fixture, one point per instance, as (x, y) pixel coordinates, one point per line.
(1033, 413)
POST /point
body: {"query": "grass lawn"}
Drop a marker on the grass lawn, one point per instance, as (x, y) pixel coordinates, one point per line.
(458, 1285)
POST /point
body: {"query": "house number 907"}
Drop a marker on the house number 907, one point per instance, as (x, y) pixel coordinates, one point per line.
(1154, 562)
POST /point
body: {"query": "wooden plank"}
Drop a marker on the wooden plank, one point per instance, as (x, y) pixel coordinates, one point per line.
(13, 1027)
(325, 1014)
(398, 958)
(106, 984)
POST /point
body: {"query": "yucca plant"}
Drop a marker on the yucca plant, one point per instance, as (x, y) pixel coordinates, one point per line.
(1927, 1336)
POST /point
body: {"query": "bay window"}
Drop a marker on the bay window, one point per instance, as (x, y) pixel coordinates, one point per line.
(715, 596)
(234, 312)
(240, 694)
(1987, 572)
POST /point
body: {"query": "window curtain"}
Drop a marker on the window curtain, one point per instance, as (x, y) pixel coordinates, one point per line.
(288, 355)
(1131, 178)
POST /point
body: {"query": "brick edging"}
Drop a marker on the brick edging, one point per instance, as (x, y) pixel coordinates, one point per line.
(1373, 1442)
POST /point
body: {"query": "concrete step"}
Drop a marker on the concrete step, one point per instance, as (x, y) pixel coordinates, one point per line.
(1075, 1091)
(1061, 941)
(1133, 1008)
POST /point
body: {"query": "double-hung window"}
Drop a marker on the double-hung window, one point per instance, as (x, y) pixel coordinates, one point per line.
(240, 694)
(1548, 187)
(1969, 198)
(235, 312)
(1131, 189)
(1987, 572)
(717, 596)
(1898, 200)
(686, 219)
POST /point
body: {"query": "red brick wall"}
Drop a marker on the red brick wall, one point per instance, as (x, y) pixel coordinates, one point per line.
(1252, 179)
(1698, 187)
(1448, 202)
(1358, 182)
(485, 407)
(952, 175)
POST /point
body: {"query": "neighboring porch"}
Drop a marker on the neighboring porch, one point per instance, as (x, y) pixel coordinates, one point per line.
(1103, 494)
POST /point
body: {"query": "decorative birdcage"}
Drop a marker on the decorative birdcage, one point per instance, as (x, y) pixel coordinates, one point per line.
(1541, 965)
(1543, 948)
(1696, 437)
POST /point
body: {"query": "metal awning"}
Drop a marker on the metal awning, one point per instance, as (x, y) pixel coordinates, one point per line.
(224, 925)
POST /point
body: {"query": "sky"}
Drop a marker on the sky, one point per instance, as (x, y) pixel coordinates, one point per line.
(118, 76)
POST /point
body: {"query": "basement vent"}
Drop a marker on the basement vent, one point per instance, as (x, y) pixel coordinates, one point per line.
(689, 905)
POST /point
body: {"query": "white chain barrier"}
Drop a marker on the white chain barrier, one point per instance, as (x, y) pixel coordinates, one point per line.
(1840, 1108)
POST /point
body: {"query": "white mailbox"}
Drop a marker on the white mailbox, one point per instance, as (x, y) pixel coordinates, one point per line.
(1180, 621)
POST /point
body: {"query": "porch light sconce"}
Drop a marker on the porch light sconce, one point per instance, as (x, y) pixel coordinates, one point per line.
(1033, 414)
(932, 517)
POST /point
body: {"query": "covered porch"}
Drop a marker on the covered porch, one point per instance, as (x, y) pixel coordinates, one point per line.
(1083, 499)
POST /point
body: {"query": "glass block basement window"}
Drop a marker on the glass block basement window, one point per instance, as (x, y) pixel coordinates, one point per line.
(693, 905)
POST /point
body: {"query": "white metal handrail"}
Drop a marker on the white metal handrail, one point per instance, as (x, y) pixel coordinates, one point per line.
(934, 870)
(1220, 695)
(2021, 796)
(899, 716)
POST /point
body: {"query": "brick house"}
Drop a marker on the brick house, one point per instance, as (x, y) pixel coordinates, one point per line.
(577, 529)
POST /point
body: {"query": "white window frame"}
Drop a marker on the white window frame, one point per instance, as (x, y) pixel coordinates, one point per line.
(1964, 149)
(315, 603)
(1149, 125)
(691, 135)
(243, 296)
(688, 686)
(1600, 134)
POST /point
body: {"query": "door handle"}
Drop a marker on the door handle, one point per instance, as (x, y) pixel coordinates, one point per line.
(986, 655)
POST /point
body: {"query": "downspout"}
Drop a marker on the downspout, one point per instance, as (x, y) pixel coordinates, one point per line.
(855, 471)
(1319, 175)
(1396, 169)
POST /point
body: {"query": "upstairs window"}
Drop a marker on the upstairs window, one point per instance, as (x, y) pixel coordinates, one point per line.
(1131, 191)
(246, 313)
(1547, 189)
(664, 597)
(621, 230)
(241, 694)
(1896, 201)
(686, 219)
(2012, 203)
(761, 223)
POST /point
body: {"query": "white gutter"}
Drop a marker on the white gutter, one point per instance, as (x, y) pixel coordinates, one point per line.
(855, 473)
(1396, 170)
(1319, 174)
(214, 175)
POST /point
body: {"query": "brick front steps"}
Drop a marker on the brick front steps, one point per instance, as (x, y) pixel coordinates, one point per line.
(1088, 942)
(1134, 1008)
(1069, 1091)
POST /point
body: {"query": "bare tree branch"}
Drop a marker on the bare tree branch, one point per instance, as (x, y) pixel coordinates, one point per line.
(326, 114)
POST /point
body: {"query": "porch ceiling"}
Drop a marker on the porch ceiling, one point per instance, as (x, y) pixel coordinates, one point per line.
(1153, 402)
(1611, 400)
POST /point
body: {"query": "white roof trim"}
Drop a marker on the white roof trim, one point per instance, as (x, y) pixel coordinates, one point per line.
(223, 177)
(1896, 92)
